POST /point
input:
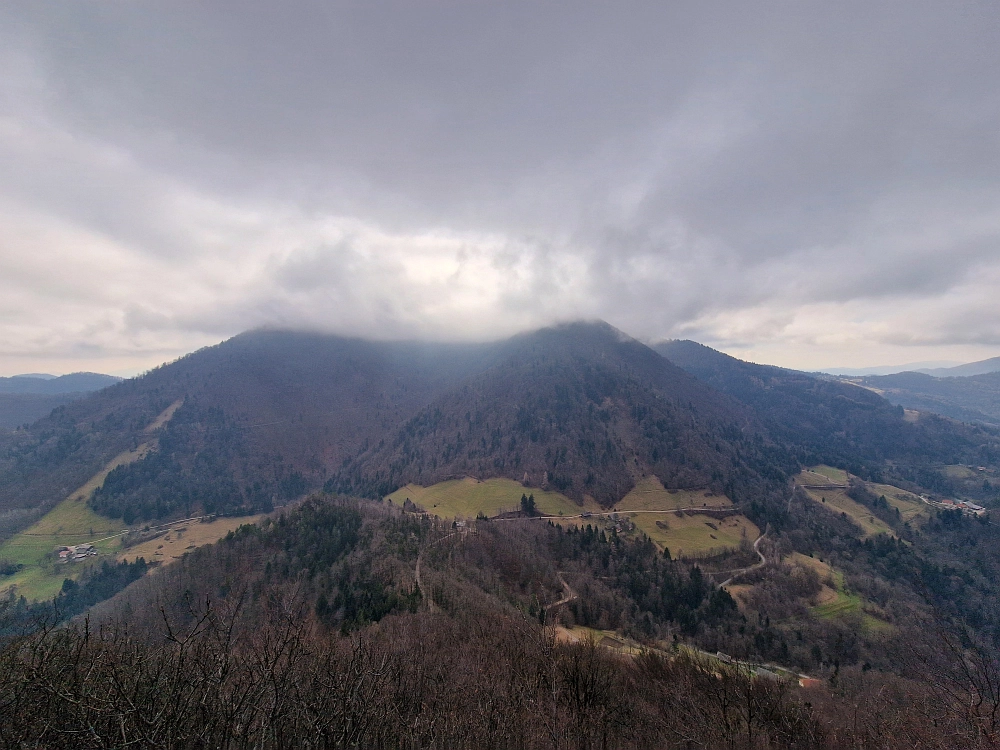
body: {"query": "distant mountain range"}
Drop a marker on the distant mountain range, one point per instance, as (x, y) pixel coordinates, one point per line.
(982, 367)
(25, 398)
(77, 382)
(888, 369)
(937, 369)
(970, 398)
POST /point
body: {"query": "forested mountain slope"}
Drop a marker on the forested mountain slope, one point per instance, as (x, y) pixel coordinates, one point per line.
(827, 421)
(583, 409)
(972, 398)
(257, 410)
(355, 624)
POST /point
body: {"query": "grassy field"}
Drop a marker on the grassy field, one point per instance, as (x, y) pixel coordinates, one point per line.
(690, 533)
(839, 502)
(826, 475)
(69, 522)
(185, 537)
(606, 638)
(650, 495)
(911, 507)
(694, 534)
(468, 497)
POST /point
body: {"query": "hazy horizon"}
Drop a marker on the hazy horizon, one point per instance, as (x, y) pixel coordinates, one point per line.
(880, 369)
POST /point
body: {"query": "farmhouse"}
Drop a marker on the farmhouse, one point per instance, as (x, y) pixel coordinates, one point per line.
(75, 552)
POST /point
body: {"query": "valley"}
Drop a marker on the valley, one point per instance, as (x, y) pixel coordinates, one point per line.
(34, 552)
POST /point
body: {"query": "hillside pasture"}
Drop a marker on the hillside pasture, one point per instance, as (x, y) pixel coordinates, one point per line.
(825, 475)
(70, 522)
(184, 537)
(911, 508)
(469, 497)
(694, 534)
(649, 495)
(838, 501)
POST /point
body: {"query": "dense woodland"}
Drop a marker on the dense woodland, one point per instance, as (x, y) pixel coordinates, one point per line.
(827, 421)
(203, 462)
(584, 412)
(311, 630)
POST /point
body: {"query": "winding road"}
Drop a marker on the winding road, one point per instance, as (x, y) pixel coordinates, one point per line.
(569, 594)
(741, 571)
(431, 606)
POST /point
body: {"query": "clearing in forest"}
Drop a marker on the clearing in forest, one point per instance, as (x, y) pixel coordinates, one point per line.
(835, 600)
(649, 494)
(838, 501)
(910, 506)
(605, 638)
(684, 531)
(183, 537)
(70, 522)
(695, 534)
(469, 497)
(823, 474)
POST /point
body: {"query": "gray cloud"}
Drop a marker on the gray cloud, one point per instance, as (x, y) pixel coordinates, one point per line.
(813, 184)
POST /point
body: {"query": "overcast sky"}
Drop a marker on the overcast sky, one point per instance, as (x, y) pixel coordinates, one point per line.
(806, 184)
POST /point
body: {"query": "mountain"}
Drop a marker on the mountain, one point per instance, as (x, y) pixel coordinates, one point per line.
(260, 416)
(823, 420)
(888, 369)
(25, 398)
(270, 414)
(77, 382)
(583, 409)
(982, 367)
(970, 398)
(352, 622)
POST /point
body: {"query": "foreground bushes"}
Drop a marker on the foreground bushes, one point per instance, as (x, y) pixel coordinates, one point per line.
(422, 681)
(411, 681)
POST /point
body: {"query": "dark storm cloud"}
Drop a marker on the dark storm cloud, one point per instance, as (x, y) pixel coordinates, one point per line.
(798, 178)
